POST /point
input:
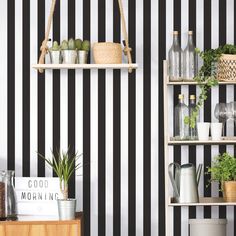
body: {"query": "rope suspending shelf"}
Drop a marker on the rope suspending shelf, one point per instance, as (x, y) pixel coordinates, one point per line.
(44, 48)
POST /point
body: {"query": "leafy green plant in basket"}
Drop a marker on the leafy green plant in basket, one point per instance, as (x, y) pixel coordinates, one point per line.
(64, 165)
(206, 78)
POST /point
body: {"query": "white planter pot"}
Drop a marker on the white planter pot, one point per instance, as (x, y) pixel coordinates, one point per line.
(216, 131)
(69, 56)
(209, 227)
(66, 209)
(203, 131)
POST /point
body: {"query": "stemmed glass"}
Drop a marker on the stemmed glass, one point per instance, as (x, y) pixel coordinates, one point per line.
(221, 112)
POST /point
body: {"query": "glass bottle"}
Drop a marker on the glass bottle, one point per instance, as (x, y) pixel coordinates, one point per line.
(190, 59)
(8, 211)
(192, 106)
(175, 59)
(181, 130)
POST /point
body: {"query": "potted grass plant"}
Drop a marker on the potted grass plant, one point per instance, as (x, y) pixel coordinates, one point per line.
(223, 170)
(55, 53)
(68, 49)
(64, 165)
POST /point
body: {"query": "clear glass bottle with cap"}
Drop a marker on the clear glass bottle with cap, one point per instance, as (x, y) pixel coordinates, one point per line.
(181, 130)
(175, 58)
(192, 106)
(190, 62)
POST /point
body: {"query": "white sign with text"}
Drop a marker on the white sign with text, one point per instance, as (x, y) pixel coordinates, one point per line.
(37, 195)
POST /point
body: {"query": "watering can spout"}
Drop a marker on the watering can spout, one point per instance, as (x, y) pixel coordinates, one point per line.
(199, 171)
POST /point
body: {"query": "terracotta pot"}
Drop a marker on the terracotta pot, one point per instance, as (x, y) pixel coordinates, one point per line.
(229, 191)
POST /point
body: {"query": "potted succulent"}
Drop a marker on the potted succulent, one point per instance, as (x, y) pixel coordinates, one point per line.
(55, 53)
(223, 170)
(68, 49)
(83, 48)
(207, 77)
(64, 165)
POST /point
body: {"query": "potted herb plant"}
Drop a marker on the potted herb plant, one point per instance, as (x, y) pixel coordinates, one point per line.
(83, 48)
(55, 53)
(64, 165)
(207, 77)
(223, 170)
(68, 49)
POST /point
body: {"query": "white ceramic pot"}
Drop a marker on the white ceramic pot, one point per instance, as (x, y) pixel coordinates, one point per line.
(209, 227)
(203, 131)
(66, 209)
(69, 56)
(82, 57)
(216, 131)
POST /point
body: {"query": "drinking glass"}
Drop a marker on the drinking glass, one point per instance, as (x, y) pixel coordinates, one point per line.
(221, 114)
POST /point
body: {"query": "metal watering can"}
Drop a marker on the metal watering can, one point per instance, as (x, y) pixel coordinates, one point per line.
(185, 183)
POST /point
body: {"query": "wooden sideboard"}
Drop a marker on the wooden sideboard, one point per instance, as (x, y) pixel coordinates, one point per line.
(42, 227)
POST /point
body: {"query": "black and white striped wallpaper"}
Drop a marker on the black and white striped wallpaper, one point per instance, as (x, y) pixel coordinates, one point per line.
(114, 119)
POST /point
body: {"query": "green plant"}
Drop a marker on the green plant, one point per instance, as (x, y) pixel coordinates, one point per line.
(78, 44)
(206, 77)
(64, 164)
(64, 45)
(55, 46)
(71, 44)
(85, 45)
(223, 168)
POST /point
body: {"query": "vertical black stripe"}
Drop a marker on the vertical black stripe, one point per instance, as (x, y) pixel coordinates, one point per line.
(192, 156)
(147, 117)
(86, 125)
(207, 105)
(161, 57)
(192, 90)
(41, 93)
(177, 91)
(56, 84)
(101, 126)
(26, 88)
(11, 85)
(222, 89)
(132, 124)
(71, 95)
(116, 130)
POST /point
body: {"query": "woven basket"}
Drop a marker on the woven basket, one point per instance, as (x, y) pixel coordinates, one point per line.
(227, 68)
(107, 53)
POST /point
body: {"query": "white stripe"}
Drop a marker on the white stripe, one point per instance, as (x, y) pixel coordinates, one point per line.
(169, 25)
(79, 110)
(18, 86)
(64, 81)
(94, 127)
(48, 103)
(109, 126)
(230, 21)
(139, 120)
(200, 45)
(33, 89)
(124, 154)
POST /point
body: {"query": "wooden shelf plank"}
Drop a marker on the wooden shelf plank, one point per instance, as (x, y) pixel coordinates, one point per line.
(84, 66)
(205, 201)
(185, 82)
(224, 141)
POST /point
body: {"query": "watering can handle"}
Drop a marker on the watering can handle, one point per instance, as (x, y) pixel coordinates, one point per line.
(171, 175)
(199, 170)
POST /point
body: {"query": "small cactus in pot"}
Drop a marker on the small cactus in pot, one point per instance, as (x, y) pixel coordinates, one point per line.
(55, 53)
(83, 50)
(69, 54)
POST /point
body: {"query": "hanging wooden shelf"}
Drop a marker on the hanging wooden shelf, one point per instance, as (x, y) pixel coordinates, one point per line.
(85, 66)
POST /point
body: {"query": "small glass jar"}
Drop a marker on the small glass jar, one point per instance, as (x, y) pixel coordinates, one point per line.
(8, 209)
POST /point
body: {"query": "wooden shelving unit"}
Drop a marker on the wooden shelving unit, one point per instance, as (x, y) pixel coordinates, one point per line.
(84, 66)
(168, 142)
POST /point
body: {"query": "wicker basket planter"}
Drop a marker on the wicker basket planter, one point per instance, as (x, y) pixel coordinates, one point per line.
(107, 53)
(227, 68)
(229, 191)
